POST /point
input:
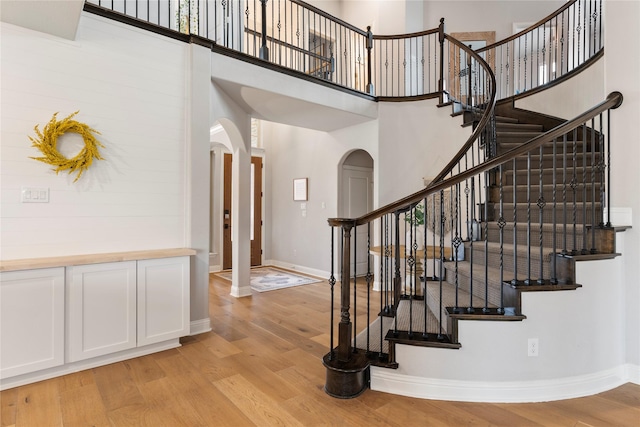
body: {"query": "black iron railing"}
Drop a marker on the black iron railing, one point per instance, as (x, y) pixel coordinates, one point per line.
(550, 49)
(498, 222)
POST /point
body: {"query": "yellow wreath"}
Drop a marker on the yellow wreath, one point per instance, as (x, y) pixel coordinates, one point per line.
(47, 144)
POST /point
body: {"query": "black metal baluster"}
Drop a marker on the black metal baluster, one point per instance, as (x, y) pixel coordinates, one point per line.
(564, 194)
(484, 204)
(601, 169)
(473, 237)
(384, 264)
(553, 276)
(457, 241)
(368, 279)
(441, 272)
(398, 279)
(584, 189)
(574, 187)
(608, 165)
(562, 44)
(541, 206)
(332, 282)
(355, 287)
(424, 273)
(593, 186)
(514, 281)
(527, 281)
(501, 224)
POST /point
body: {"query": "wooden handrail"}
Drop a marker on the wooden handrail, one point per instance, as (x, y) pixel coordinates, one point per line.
(408, 35)
(484, 120)
(328, 16)
(613, 101)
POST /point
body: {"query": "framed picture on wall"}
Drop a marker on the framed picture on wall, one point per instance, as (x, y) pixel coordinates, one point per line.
(300, 187)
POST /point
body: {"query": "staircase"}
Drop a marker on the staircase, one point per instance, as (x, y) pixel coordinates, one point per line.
(482, 288)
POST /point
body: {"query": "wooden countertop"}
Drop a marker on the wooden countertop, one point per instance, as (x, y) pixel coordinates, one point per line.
(70, 260)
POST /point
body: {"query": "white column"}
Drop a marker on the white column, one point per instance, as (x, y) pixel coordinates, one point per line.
(197, 179)
(241, 223)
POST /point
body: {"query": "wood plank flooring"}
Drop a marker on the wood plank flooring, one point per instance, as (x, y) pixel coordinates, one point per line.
(261, 366)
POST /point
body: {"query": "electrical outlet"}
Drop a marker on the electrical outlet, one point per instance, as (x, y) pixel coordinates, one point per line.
(533, 347)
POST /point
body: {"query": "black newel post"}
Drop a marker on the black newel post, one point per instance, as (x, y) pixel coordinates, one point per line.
(441, 87)
(369, 47)
(264, 50)
(344, 327)
(347, 371)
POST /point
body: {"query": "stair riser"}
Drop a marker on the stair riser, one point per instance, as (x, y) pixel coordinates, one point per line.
(507, 144)
(547, 163)
(479, 291)
(562, 194)
(518, 127)
(547, 176)
(547, 215)
(547, 237)
(524, 269)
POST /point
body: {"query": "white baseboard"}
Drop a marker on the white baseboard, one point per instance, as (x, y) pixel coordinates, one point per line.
(200, 326)
(633, 373)
(70, 368)
(501, 392)
(302, 269)
(214, 268)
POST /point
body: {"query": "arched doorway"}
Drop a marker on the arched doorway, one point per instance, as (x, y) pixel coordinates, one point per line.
(356, 199)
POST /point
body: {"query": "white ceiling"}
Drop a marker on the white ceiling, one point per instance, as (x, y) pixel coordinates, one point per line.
(56, 17)
(273, 96)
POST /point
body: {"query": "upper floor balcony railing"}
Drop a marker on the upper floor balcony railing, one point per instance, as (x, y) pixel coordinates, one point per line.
(548, 50)
(300, 37)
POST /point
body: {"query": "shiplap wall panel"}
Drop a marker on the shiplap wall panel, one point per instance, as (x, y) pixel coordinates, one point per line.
(129, 84)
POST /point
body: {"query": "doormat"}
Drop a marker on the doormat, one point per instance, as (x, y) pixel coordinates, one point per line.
(264, 279)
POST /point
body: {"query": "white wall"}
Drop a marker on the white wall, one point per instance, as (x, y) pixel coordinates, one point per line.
(386, 17)
(572, 97)
(498, 16)
(128, 84)
(579, 354)
(417, 139)
(622, 59)
(294, 240)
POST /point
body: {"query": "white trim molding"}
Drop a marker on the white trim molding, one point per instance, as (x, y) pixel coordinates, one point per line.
(200, 326)
(501, 392)
(321, 274)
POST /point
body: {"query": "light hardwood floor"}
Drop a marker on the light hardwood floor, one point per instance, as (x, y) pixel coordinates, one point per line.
(260, 366)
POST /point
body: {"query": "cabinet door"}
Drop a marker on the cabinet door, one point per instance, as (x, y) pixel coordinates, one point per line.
(101, 309)
(31, 320)
(163, 299)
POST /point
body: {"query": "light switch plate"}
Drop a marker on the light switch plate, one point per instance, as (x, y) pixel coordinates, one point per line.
(34, 195)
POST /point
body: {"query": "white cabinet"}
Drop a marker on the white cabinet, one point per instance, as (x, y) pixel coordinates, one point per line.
(31, 320)
(60, 315)
(163, 299)
(101, 309)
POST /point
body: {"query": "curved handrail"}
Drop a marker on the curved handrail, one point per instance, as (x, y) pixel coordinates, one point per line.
(531, 27)
(329, 16)
(565, 42)
(613, 101)
(416, 197)
(407, 35)
(484, 120)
